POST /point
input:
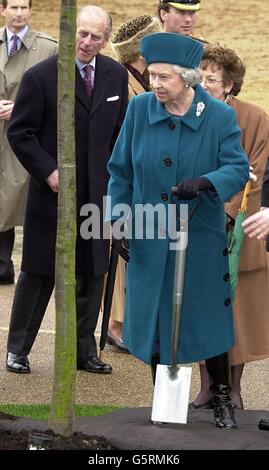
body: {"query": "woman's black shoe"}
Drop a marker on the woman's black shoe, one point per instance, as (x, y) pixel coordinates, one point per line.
(222, 407)
(117, 342)
(208, 405)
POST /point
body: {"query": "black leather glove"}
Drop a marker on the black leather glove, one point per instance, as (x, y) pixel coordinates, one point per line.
(121, 246)
(188, 189)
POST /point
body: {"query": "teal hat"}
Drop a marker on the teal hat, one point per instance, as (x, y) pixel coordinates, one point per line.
(171, 48)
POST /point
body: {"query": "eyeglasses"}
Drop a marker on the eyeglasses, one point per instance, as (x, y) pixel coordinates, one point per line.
(209, 80)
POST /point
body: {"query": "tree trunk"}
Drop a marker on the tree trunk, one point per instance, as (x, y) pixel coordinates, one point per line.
(62, 415)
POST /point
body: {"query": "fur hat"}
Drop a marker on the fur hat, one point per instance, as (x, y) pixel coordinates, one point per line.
(172, 48)
(126, 40)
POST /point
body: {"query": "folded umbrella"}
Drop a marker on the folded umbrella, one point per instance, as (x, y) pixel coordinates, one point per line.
(108, 297)
(236, 237)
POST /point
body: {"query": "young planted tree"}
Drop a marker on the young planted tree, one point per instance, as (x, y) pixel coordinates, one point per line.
(62, 415)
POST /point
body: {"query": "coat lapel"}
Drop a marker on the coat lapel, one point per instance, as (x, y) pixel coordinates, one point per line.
(81, 92)
(3, 49)
(101, 83)
(198, 110)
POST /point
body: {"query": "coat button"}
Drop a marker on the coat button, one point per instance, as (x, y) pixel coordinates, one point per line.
(164, 196)
(171, 125)
(226, 277)
(225, 252)
(227, 302)
(167, 161)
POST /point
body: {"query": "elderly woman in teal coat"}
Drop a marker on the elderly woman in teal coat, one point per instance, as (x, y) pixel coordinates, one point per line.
(178, 136)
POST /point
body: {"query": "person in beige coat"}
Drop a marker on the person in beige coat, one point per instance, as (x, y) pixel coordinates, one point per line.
(125, 44)
(222, 75)
(20, 48)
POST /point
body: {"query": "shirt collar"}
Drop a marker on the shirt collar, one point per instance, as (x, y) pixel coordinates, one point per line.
(81, 65)
(20, 34)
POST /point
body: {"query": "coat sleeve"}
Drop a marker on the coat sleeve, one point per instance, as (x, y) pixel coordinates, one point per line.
(233, 171)
(120, 168)
(25, 123)
(265, 187)
(254, 124)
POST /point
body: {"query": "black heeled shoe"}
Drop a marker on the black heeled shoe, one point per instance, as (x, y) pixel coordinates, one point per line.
(219, 372)
(116, 342)
(222, 407)
(208, 405)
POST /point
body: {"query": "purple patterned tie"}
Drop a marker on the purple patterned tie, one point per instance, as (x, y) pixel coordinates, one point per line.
(14, 46)
(88, 78)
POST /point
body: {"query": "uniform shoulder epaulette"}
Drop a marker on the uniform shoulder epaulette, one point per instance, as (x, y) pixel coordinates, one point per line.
(42, 35)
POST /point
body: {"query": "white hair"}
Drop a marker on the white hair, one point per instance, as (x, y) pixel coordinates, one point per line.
(191, 77)
(97, 11)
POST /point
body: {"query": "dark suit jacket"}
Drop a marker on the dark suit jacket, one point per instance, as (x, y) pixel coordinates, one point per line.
(32, 134)
(265, 194)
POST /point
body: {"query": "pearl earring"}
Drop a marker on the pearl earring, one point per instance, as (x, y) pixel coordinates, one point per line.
(186, 85)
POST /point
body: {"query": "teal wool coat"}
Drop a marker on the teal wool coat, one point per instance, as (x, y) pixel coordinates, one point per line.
(154, 152)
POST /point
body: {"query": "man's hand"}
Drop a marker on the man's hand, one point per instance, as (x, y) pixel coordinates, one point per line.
(257, 225)
(6, 107)
(53, 181)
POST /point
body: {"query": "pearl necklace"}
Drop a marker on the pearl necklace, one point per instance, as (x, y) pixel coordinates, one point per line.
(167, 107)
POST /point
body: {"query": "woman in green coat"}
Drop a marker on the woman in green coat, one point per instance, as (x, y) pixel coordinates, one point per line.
(178, 136)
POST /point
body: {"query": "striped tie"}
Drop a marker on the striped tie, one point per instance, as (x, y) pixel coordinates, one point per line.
(88, 78)
(14, 46)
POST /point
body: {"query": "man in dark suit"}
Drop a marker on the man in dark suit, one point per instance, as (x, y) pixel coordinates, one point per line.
(101, 101)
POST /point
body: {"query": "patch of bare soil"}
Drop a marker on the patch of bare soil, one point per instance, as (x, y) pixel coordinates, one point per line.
(48, 440)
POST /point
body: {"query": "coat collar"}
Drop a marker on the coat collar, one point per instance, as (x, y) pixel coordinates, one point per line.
(3, 34)
(193, 118)
(27, 39)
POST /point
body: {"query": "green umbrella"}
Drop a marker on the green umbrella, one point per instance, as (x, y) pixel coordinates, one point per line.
(236, 239)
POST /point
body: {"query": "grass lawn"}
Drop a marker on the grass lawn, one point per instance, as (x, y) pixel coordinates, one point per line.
(41, 411)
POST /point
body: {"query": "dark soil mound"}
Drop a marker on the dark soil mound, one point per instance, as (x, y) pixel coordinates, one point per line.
(22, 440)
(48, 440)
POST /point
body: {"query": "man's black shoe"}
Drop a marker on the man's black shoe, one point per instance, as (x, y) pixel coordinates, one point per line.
(5, 280)
(264, 424)
(17, 363)
(93, 364)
